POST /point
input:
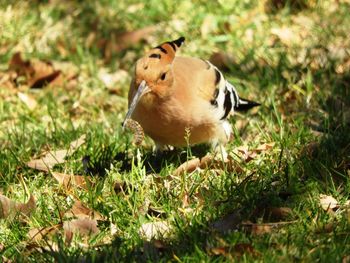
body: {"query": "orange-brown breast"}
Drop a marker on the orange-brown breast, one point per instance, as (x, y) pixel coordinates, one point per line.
(165, 119)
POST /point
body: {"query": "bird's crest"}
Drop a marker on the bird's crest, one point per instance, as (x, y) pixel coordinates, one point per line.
(166, 51)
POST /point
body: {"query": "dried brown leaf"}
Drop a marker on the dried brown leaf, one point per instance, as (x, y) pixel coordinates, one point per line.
(49, 160)
(187, 167)
(245, 248)
(7, 80)
(249, 155)
(127, 39)
(79, 210)
(68, 180)
(38, 73)
(83, 227)
(264, 147)
(286, 35)
(236, 251)
(279, 213)
(55, 157)
(37, 234)
(328, 202)
(260, 229)
(155, 230)
(29, 101)
(22, 67)
(120, 187)
(222, 60)
(346, 259)
(220, 251)
(310, 149)
(43, 78)
(185, 200)
(9, 207)
(120, 42)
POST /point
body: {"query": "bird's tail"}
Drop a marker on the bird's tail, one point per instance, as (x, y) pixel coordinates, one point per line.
(245, 105)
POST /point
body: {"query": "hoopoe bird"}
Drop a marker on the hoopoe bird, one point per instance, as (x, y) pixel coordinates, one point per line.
(182, 100)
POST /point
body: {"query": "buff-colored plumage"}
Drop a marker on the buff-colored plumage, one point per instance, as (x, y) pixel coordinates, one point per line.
(179, 100)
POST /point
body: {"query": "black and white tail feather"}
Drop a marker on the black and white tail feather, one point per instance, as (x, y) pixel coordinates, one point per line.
(226, 98)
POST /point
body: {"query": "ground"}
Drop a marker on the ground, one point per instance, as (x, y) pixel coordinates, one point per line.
(65, 69)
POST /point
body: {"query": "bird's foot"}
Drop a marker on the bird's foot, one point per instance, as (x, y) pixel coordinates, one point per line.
(220, 153)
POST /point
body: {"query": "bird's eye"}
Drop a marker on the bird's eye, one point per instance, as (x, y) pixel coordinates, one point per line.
(162, 77)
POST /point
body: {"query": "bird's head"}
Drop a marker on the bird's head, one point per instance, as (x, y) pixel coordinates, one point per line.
(153, 74)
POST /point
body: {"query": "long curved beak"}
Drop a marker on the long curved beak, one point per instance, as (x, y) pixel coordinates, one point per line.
(141, 90)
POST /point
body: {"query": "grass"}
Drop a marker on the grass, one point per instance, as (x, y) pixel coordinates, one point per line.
(294, 59)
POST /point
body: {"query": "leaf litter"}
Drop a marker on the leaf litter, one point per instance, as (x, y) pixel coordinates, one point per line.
(52, 158)
(37, 73)
(155, 230)
(69, 180)
(9, 208)
(210, 162)
(80, 220)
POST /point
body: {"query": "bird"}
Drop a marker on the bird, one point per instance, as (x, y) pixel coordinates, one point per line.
(181, 101)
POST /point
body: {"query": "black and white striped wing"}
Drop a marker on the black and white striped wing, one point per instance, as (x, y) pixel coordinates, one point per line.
(226, 98)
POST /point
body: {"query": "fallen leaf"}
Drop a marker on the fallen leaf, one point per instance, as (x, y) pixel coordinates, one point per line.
(7, 80)
(55, 157)
(120, 187)
(237, 251)
(279, 213)
(79, 210)
(263, 228)
(38, 73)
(328, 202)
(220, 251)
(221, 60)
(206, 161)
(22, 67)
(9, 207)
(83, 227)
(27, 100)
(128, 39)
(264, 147)
(249, 155)
(37, 234)
(69, 180)
(185, 200)
(43, 77)
(48, 161)
(187, 167)
(346, 259)
(244, 248)
(120, 42)
(310, 149)
(286, 35)
(155, 230)
(246, 154)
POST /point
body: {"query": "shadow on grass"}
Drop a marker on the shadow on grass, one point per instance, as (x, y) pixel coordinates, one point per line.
(101, 160)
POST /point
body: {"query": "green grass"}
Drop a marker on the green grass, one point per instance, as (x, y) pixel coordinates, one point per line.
(293, 59)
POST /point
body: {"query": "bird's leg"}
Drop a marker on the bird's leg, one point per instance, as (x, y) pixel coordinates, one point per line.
(219, 150)
(160, 148)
